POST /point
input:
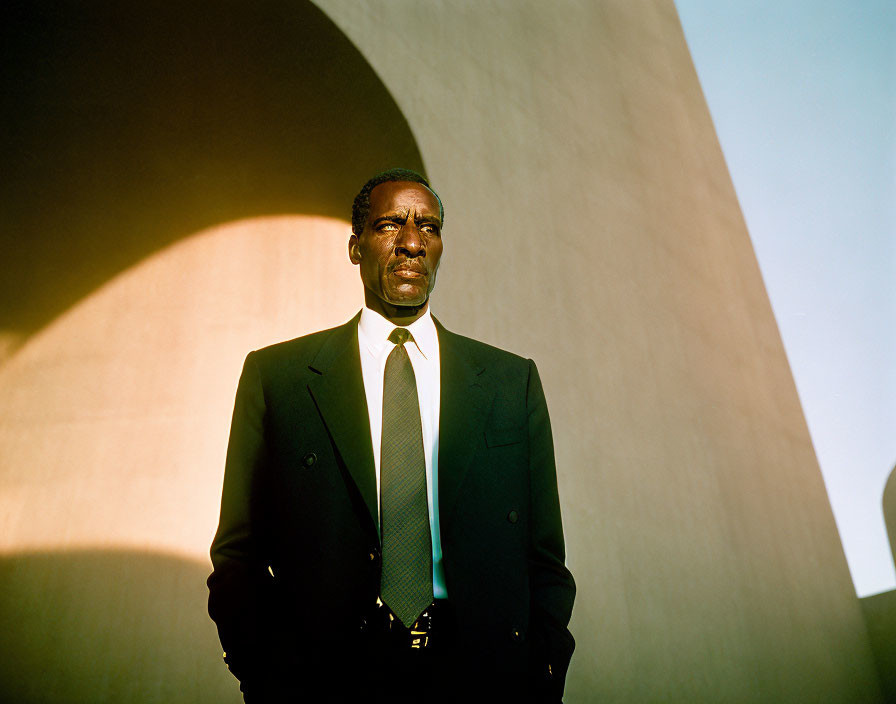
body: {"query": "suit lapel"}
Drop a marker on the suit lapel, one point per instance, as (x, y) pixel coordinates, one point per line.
(338, 391)
(466, 399)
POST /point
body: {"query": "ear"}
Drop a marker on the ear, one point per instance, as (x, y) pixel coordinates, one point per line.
(354, 249)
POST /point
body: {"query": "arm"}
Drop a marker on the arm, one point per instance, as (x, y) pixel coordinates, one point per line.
(239, 581)
(551, 585)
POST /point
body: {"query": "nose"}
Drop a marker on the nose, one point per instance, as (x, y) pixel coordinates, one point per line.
(410, 241)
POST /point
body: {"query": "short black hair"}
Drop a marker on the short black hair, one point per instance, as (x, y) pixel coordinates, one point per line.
(361, 204)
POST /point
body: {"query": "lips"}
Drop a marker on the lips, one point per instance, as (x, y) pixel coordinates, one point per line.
(409, 272)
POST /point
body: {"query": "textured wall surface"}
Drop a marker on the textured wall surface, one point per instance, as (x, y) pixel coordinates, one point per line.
(880, 616)
(591, 224)
(113, 429)
(177, 175)
(130, 126)
(889, 507)
(880, 609)
(179, 180)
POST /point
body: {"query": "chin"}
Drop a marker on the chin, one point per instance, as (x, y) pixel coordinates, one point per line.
(408, 301)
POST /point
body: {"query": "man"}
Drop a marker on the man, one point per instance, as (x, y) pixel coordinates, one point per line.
(390, 525)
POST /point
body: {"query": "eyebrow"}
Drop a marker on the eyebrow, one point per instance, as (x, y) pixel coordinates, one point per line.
(429, 219)
(402, 218)
(394, 217)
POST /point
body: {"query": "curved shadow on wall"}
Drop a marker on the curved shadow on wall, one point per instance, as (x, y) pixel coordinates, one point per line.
(118, 626)
(130, 125)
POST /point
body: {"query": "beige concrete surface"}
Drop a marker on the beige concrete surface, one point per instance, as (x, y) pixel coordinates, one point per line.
(175, 182)
(591, 224)
(115, 417)
(113, 429)
(880, 617)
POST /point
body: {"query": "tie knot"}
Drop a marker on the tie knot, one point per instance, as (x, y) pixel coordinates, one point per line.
(399, 336)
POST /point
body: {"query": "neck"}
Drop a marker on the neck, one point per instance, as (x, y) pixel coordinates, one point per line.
(401, 316)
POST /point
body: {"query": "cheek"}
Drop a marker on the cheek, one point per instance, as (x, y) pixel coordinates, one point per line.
(371, 273)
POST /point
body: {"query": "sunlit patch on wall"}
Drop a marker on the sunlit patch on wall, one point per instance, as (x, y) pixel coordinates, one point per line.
(114, 418)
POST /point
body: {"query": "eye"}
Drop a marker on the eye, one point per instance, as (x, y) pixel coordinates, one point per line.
(387, 227)
(430, 229)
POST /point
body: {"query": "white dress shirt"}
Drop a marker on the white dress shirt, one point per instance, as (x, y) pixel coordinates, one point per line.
(374, 346)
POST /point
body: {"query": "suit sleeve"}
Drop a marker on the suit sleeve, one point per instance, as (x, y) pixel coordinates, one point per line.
(551, 584)
(240, 581)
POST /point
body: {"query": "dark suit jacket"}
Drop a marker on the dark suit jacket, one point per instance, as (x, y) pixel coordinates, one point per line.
(296, 555)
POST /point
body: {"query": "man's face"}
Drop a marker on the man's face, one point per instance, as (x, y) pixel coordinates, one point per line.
(399, 249)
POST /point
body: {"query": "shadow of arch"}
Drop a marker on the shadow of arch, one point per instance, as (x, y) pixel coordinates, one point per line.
(131, 125)
(108, 626)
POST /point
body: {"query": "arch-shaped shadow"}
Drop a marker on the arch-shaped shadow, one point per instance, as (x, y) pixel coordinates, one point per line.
(130, 125)
(108, 625)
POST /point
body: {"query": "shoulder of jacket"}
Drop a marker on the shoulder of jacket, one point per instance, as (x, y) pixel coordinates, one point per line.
(298, 350)
(485, 353)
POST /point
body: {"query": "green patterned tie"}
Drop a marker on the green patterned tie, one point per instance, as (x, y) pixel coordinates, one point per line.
(406, 586)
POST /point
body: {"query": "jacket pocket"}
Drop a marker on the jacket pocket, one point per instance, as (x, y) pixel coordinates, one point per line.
(498, 437)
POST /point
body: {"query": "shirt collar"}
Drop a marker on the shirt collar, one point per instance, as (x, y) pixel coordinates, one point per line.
(374, 331)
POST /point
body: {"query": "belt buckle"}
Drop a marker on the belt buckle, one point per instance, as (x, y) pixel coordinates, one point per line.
(420, 631)
(419, 639)
(418, 636)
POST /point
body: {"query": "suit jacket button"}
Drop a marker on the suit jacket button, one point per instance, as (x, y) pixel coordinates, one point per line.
(309, 459)
(372, 555)
(513, 516)
(516, 634)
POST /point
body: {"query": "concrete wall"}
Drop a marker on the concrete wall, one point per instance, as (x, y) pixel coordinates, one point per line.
(880, 609)
(889, 507)
(178, 175)
(880, 616)
(591, 224)
(176, 194)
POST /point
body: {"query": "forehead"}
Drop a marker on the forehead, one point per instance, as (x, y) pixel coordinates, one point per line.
(403, 196)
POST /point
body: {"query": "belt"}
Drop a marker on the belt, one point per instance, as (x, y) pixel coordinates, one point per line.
(433, 628)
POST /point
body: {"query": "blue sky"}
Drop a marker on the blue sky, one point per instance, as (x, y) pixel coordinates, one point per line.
(803, 97)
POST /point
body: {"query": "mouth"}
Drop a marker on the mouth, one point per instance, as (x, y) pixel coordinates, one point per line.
(409, 273)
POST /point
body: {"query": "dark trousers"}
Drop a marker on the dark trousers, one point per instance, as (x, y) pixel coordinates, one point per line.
(388, 677)
(380, 667)
(402, 674)
(406, 677)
